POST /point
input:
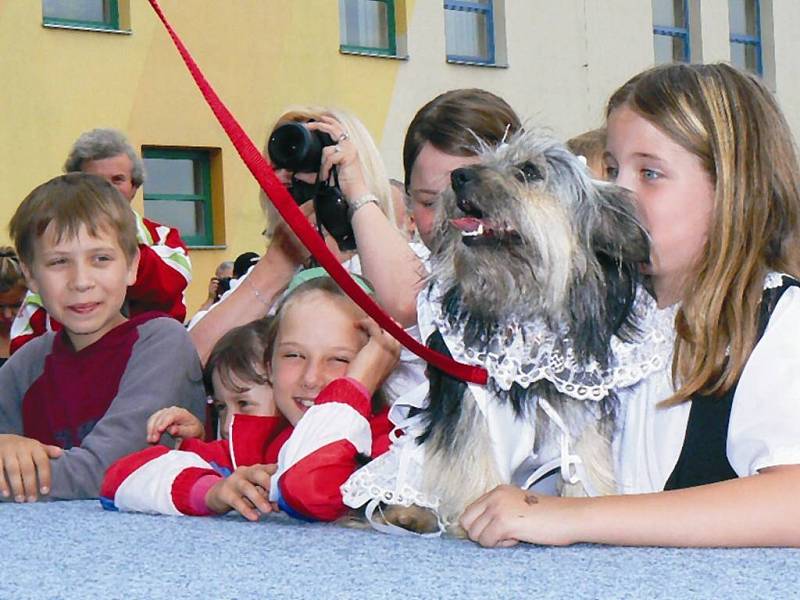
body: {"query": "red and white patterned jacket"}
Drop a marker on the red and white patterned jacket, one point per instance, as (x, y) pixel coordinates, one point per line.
(314, 459)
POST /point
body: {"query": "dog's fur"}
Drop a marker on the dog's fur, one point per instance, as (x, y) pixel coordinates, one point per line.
(557, 247)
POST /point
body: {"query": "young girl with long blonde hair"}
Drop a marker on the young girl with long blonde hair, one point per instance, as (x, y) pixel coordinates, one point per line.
(708, 452)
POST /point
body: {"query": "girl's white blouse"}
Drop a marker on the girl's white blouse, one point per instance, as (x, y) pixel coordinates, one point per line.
(764, 427)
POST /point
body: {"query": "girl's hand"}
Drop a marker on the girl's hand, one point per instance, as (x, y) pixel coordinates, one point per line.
(246, 491)
(508, 515)
(176, 421)
(285, 249)
(344, 155)
(376, 359)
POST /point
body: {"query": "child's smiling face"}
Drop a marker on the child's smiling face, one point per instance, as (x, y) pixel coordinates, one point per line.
(317, 339)
(83, 281)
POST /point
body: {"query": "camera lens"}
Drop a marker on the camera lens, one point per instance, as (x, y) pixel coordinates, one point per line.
(294, 147)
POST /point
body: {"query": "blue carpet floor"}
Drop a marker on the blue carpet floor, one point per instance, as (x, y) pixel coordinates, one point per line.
(77, 550)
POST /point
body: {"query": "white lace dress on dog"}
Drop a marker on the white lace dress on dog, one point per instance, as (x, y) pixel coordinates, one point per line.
(522, 354)
(764, 428)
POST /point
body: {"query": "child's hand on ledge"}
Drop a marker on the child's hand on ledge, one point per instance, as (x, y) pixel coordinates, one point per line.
(508, 515)
(23, 461)
(246, 491)
(176, 421)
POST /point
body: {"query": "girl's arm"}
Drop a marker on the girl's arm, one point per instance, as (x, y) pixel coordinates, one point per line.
(324, 449)
(389, 263)
(759, 510)
(252, 298)
(386, 258)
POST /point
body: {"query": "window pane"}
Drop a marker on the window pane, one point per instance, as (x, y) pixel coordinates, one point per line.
(742, 15)
(467, 34)
(669, 49)
(187, 216)
(745, 56)
(171, 176)
(76, 10)
(669, 13)
(364, 23)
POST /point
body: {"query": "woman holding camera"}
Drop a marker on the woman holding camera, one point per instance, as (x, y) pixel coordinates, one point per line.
(381, 253)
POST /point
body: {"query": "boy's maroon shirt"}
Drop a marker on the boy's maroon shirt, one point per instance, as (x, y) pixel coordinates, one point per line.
(76, 388)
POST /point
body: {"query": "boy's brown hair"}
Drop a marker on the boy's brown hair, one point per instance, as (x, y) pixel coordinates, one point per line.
(69, 202)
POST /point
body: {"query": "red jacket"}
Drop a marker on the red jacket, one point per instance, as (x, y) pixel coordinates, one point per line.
(314, 459)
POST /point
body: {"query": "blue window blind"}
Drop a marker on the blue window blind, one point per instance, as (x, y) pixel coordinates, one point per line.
(469, 31)
(745, 25)
(367, 26)
(671, 31)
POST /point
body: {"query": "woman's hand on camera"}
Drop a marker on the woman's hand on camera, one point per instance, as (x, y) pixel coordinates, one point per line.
(376, 359)
(285, 246)
(343, 155)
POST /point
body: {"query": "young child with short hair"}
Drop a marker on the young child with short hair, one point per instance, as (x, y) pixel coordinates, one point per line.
(75, 401)
(325, 361)
(235, 379)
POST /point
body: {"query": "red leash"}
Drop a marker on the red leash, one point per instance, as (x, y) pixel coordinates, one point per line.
(287, 208)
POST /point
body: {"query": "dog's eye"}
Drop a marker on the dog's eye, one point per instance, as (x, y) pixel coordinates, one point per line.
(528, 172)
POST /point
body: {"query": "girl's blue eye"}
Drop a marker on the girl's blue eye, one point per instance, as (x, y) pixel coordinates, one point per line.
(611, 173)
(650, 174)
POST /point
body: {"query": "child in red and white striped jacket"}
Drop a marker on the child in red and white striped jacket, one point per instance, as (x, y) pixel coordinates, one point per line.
(301, 415)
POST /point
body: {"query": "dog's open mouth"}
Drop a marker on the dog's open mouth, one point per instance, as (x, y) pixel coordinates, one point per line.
(475, 231)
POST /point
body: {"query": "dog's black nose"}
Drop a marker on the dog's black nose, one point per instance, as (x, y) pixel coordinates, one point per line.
(461, 178)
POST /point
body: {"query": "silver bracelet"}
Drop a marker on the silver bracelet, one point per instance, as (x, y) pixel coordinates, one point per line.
(258, 294)
(361, 201)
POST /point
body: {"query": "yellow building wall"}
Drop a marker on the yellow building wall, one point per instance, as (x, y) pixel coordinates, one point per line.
(562, 60)
(260, 55)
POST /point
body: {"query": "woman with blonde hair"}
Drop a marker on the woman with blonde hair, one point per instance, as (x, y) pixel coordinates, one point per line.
(12, 291)
(709, 448)
(381, 253)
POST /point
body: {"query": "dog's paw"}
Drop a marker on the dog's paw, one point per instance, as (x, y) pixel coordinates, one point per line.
(354, 519)
(413, 518)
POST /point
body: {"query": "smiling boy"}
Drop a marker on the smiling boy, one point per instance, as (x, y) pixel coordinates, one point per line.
(74, 401)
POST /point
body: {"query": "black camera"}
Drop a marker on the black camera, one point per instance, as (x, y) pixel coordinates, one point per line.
(223, 285)
(296, 148)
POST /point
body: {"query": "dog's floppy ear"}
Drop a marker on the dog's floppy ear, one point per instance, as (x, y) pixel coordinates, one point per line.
(445, 394)
(620, 244)
(617, 232)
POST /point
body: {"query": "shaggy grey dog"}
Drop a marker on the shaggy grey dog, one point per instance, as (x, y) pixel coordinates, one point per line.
(524, 237)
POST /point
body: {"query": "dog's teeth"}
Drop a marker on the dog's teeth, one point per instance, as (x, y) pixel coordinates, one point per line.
(480, 230)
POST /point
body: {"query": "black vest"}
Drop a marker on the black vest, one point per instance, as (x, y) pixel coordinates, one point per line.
(704, 457)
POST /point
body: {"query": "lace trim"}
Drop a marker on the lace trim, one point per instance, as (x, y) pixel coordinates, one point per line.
(395, 477)
(525, 353)
(774, 280)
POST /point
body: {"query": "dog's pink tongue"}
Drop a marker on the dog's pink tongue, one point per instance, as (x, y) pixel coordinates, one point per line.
(466, 224)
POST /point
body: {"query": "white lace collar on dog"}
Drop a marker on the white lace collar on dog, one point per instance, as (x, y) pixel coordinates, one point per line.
(525, 353)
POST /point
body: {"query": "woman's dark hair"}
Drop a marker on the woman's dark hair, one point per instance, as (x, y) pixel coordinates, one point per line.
(458, 122)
